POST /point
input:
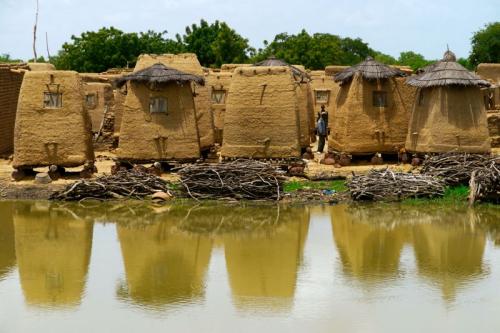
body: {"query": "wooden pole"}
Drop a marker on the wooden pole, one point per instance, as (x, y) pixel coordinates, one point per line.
(47, 44)
(34, 32)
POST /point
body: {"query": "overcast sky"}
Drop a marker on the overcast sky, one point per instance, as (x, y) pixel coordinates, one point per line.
(389, 26)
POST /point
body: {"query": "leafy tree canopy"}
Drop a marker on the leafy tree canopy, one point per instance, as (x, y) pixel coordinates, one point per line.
(215, 44)
(486, 45)
(5, 57)
(413, 60)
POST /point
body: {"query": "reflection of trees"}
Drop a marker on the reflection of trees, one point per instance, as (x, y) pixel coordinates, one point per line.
(53, 251)
(447, 242)
(163, 265)
(7, 250)
(262, 264)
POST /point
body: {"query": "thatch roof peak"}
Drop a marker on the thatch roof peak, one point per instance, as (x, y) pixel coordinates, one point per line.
(446, 72)
(272, 61)
(160, 74)
(369, 69)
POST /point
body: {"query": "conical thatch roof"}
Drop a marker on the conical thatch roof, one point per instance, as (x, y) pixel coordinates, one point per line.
(369, 69)
(160, 74)
(444, 73)
(272, 61)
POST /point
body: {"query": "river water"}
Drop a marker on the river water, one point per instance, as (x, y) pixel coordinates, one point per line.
(247, 268)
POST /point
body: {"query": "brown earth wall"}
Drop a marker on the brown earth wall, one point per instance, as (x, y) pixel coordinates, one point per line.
(172, 136)
(188, 62)
(489, 72)
(449, 118)
(321, 81)
(218, 81)
(104, 100)
(46, 136)
(262, 114)
(10, 84)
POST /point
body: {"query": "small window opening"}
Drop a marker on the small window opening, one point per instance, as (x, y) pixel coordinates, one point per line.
(322, 96)
(218, 96)
(52, 100)
(91, 101)
(158, 105)
(380, 99)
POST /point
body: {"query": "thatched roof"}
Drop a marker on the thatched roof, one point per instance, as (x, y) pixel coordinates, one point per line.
(160, 74)
(272, 61)
(369, 69)
(445, 73)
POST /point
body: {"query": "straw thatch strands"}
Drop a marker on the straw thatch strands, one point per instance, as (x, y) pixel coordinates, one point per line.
(369, 70)
(160, 74)
(446, 72)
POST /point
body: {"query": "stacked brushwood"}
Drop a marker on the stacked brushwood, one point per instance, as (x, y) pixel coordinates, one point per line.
(131, 184)
(387, 185)
(485, 183)
(455, 168)
(240, 179)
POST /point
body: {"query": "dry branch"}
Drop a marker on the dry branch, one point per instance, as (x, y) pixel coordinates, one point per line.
(456, 168)
(386, 185)
(123, 185)
(241, 179)
(485, 183)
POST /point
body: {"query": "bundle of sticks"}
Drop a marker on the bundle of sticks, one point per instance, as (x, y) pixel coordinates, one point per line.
(485, 183)
(130, 184)
(389, 185)
(240, 179)
(455, 168)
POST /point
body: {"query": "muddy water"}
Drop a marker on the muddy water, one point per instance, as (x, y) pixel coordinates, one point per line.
(136, 268)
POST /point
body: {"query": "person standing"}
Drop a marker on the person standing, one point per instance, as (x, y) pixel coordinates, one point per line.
(322, 128)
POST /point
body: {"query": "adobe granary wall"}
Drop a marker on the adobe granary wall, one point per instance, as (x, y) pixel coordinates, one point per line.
(262, 114)
(218, 84)
(99, 101)
(11, 77)
(188, 62)
(490, 72)
(324, 91)
(52, 125)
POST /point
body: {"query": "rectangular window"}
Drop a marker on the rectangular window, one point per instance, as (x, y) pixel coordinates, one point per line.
(52, 100)
(322, 96)
(90, 101)
(218, 96)
(158, 105)
(380, 99)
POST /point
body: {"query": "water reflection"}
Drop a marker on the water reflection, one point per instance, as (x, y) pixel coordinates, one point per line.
(163, 264)
(262, 265)
(448, 243)
(7, 249)
(53, 247)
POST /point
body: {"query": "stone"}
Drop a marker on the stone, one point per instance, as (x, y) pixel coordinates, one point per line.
(161, 196)
(43, 178)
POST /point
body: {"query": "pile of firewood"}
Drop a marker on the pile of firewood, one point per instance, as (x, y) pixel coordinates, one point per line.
(241, 179)
(455, 168)
(485, 183)
(122, 185)
(387, 185)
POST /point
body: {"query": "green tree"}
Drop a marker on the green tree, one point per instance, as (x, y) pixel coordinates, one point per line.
(97, 51)
(412, 59)
(215, 44)
(486, 45)
(385, 58)
(6, 58)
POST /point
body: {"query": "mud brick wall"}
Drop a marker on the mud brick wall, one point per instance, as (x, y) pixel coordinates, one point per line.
(10, 84)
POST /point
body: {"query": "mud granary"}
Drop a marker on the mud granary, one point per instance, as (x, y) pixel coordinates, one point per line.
(370, 115)
(52, 125)
(159, 119)
(449, 112)
(188, 63)
(491, 95)
(11, 78)
(218, 83)
(262, 114)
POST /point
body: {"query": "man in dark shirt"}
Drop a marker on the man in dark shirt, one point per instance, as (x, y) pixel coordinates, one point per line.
(322, 128)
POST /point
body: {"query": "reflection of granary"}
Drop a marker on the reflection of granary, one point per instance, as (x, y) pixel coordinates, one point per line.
(449, 112)
(369, 251)
(162, 264)
(52, 124)
(262, 264)
(449, 251)
(11, 77)
(53, 253)
(159, 120)
(370, 114)
(188, 63)
(7, 250)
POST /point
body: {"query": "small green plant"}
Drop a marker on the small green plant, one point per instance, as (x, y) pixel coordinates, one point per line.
(452, 195)
(337, 185)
